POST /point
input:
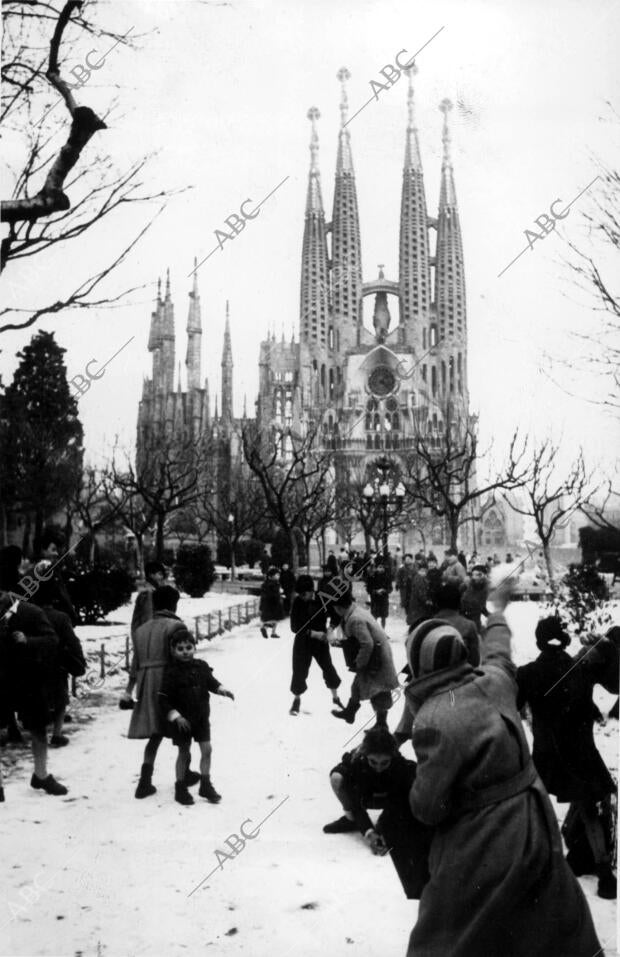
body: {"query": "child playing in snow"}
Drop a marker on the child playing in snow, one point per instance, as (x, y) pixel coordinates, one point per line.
(184, 694)
(309, 624)
(271, 604)
(375, 775)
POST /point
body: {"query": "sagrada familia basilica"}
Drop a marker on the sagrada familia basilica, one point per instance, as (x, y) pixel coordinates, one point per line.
(373, 388)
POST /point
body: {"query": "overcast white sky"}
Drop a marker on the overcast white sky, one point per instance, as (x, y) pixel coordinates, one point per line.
(221, 91)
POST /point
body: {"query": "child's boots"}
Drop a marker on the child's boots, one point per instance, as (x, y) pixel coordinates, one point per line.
(206, 790)
(181, 794)
(145, 787)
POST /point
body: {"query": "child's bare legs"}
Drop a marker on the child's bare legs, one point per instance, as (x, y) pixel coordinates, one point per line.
(205, 758)
(206, 789)
(39, 753)
(152, 747)
(183, 759)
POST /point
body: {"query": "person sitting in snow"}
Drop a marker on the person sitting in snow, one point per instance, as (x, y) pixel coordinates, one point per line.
(184, 698)
(375, 775)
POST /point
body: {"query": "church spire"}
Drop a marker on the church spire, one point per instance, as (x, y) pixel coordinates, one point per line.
(194, 336)
(414, 258)
(346, 273)
(314, 308)
(168, 337)
(412, 146)
(450, 273)
(227, 373)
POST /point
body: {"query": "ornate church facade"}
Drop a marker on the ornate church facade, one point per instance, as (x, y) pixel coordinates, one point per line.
(371, 390)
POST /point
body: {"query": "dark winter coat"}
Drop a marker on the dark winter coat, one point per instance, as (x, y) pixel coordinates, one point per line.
(185, 688)
(499, 885)
(71, 658)
(560, 698)
(368, 789)
(271, 607)
(307, 616)
(404, 577)
(474, 603)
(29, 672)
(433, 577)
(54, 593)
(379, 587)
(419, 605)
(367, 652)
(602, 664)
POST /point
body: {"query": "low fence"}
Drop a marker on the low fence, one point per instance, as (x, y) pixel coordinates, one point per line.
(104, 663)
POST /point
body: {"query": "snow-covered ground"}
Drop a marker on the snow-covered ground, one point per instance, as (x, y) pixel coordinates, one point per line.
(100, 873)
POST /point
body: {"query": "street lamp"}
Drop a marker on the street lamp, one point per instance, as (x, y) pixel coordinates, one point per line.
(383, 495)
(231, 530)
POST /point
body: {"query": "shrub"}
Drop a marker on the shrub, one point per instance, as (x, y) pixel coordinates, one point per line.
(582, 600)
(193, 570)
(97, 590)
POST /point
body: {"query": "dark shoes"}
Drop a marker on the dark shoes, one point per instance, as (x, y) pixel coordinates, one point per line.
(49, 784)
(347, 714)
(295, 706)
(145, 787)
(607, 885)
(263, 632)
(58, 740)
(206, 790)
(1, 795)
(343, 825)
(274, 634)
(181, 794)
(191, 778)
(338, 703)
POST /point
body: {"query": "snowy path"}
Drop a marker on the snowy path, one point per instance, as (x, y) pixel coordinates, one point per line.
(108, 875)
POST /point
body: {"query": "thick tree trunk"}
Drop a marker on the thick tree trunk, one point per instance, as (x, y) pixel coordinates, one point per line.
(294, 552)
(159, 538)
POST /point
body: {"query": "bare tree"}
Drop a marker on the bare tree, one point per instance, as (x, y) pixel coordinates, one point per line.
(57, 195)
(443, 464)
(230, 506)
(553, 496)
(293, 472)
(594, 267)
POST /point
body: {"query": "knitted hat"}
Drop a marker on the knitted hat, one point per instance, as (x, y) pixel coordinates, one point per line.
(434, 646)
(304, 583)
(551, 630)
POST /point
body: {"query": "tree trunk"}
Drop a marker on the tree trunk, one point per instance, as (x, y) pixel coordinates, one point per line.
(159, 538)
(453, 524)
(294, 552)
(233, 567)
(139, 555)
(549, 564)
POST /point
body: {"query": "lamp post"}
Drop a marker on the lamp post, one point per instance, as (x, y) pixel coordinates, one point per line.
(385, 495)
(231, 532)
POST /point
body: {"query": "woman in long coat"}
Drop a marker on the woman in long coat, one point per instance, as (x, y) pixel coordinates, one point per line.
(558, 690)
(499, 884)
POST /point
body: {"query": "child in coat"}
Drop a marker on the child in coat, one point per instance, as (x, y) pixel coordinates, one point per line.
(271, 604)
(375, 775)
(184, 694)
(309, 624)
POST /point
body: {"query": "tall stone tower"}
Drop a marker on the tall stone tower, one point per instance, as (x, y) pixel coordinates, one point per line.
(227, 374)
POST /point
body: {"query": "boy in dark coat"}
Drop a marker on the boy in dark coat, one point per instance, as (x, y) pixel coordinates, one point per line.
(28, 672)
(379, 587)
(184, 695)
(309, 625)
(375, 775)
(560, 698)
(271, 607)
(499, 884)
(474, 598)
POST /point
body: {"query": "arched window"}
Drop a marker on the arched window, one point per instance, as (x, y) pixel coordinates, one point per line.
(323, 378)
(443, 378)
(433, 380)
(433, 341)
(451, 367)
(331, 383)
(330, 337)
(424, 338)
